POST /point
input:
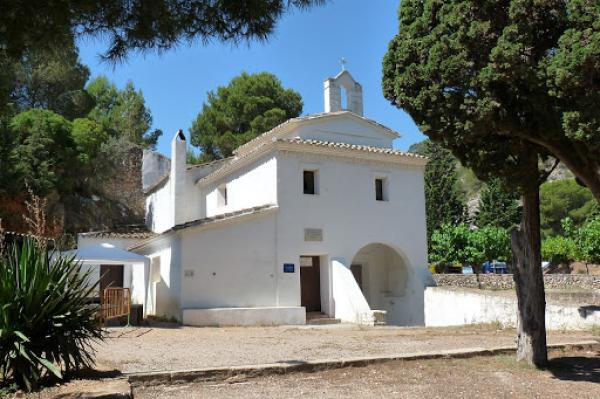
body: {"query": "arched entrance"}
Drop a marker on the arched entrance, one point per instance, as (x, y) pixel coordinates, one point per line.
(383, 277)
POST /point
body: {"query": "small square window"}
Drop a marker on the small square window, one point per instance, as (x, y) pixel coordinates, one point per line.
(222, 195)
(310, 182)
(380, 194)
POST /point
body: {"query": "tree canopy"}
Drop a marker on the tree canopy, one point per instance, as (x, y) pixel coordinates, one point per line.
(521, 74)
(122, 112)
(45, 150)
(249, 105)
(61, 139)
(137, 25)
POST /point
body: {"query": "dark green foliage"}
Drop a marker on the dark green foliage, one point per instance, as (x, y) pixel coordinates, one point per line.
(561, 199)
(52, 79)
(88, 136)
(46, 325)
(498, 206)
(443, 199)
(249, 105)
(497, 81)
(444, 69)
(138, 25)
(45, 152)
(122, 112)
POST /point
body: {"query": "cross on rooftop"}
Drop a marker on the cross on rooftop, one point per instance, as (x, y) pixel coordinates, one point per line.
(343, 62)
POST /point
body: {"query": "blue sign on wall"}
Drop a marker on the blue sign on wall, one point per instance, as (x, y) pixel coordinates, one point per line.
(288, 268)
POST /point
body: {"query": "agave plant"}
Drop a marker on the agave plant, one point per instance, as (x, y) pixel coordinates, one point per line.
(46, 324)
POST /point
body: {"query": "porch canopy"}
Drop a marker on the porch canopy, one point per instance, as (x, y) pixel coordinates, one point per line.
(106, 254)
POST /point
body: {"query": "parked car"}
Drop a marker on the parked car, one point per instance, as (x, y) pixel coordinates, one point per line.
(494, 267)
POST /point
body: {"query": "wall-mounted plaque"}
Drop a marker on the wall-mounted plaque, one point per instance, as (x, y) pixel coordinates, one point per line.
(313, 234)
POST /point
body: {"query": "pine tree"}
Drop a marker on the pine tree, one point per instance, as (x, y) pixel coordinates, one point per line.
(498, 207)
(443, 200)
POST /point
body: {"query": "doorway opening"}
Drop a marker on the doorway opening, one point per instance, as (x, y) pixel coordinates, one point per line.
(310, 283)
(111, 276)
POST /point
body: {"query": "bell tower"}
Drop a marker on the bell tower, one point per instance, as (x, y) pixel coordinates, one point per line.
(343, 93)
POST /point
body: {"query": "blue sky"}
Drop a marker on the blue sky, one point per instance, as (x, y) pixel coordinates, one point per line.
(305, 49)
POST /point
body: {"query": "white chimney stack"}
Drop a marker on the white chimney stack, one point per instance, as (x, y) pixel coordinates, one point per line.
(177, 177)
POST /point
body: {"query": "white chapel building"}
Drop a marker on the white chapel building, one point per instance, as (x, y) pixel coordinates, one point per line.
(318, 216)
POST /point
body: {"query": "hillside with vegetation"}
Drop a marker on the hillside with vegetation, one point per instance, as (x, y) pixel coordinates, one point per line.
(74, 142)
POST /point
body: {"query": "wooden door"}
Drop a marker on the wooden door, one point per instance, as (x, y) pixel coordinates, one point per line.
(111, 276)
(310, 284)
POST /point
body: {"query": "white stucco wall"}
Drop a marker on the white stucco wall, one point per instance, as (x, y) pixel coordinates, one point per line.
(158, 209)
(263, 316)
(350, 218)
(230, 265)
(251, 186)
(163, 281)
(454, 307)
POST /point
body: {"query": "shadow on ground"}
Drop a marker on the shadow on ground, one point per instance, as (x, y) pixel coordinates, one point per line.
(576, 368)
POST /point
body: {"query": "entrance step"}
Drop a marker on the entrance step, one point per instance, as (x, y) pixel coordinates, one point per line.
(318, 318)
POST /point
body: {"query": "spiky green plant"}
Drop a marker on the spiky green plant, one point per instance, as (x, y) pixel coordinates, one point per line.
(46, 324)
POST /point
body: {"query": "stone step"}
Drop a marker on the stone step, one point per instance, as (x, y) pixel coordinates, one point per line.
(316, 318)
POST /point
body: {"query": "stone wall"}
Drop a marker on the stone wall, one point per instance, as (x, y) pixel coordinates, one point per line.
(505, 281)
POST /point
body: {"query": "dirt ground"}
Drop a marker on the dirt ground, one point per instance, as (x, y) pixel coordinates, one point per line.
(181, 348)
(570, 375)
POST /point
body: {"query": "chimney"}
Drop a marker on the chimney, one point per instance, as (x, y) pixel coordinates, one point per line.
(177, 177)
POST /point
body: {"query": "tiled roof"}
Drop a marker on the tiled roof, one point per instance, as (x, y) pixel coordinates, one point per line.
(354, 147)
(208, 221)
(223, 216)
(211, 163)
(273, 132)
(138, 232)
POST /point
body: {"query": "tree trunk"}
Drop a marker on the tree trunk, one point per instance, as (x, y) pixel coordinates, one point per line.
(529, 282)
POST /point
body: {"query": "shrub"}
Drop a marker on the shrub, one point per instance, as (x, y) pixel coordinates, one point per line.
(559, 250)
(458, 244)
(589, 240)
(46, 325)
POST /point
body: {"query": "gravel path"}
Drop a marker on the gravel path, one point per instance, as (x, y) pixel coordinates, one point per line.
(181, 348)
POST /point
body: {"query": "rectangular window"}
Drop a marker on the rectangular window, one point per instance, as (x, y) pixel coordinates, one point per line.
(309, 178)
(380, 190)
(222, 195)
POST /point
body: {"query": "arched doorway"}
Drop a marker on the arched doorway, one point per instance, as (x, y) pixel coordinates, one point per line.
(383, 277)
